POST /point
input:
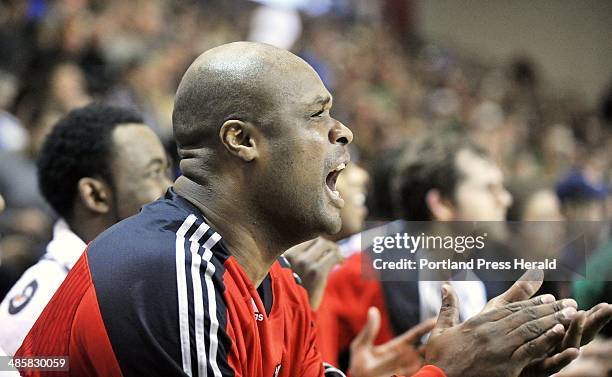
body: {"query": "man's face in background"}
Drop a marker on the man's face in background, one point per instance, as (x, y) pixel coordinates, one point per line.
(353, 185)
(140, 169)
(480, 194)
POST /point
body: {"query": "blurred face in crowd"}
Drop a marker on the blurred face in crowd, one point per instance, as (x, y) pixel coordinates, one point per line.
(68, 86)
(480, 194)
(139, 167)
(585, 210)
(352, 185)
(543, 205)
(545, 236)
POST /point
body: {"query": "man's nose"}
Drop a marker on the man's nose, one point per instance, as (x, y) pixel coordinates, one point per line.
(340, 134)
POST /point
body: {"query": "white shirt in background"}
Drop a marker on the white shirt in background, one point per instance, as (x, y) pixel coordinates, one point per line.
(26, 300)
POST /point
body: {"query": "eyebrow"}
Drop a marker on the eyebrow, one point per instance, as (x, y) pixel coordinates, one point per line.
(322, 100)
(155, 161)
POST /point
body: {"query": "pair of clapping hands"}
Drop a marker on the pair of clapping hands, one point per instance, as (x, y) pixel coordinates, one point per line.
(514, 335)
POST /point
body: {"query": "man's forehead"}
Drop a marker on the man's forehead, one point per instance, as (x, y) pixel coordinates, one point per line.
(305, 86)
(124, 132)
(136, 139)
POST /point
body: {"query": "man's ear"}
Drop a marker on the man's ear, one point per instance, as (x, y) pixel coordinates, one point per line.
(238, 138)
(441, 209)
(94, 194)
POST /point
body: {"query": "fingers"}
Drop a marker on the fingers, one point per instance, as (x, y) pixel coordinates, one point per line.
(299, 249)
(421, 350)
(366, 336)
(554, 364)
(539, 347)
(596, 319)
(523, 289)
(312, 261)
(535, 328)
(573, 336)
(562, 311)
(316, 274)
(329, 260)
(410, 337)
(514, 307)
(309, 255)
(319, 249)
(449, 312)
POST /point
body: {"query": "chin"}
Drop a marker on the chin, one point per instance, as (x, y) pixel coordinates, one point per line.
(332, 225)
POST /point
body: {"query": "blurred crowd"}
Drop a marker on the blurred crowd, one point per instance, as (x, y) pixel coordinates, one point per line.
(389, 86)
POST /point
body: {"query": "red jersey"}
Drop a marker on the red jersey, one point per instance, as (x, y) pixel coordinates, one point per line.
(344, 309)
(159, 294)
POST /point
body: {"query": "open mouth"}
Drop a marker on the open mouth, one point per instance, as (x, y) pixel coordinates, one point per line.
(330, 182)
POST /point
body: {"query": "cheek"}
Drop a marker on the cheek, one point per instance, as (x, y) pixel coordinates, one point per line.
(149, 191)
(138, 193)
(300, 168)
(474, 205)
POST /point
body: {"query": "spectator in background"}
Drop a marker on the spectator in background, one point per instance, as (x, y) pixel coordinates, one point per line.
(436, 179)
(582, 197)
(536, 217)
(67, 91)
(2, 353)
(583, 201)
(99, 165)
(353, 186)
(597, 287)
(313, 260)
(534, 201)
(13, 136)
(378, 201)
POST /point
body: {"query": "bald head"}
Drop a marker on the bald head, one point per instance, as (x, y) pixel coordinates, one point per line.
(257, 139)
(244, 81)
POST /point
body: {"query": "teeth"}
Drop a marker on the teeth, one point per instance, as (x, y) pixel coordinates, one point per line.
(340, 167)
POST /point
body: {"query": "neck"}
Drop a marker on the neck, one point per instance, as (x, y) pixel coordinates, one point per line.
(87, 229)
(253, 243)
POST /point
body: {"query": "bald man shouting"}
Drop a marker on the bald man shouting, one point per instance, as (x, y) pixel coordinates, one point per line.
(192, 286)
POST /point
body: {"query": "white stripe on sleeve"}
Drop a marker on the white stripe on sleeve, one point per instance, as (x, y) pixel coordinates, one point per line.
(198, 301)
(212, 304)
(181, 284)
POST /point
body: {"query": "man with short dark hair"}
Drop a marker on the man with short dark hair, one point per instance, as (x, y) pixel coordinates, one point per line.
(448, 178)
(99, 165)
(434, 178)
(191, 286)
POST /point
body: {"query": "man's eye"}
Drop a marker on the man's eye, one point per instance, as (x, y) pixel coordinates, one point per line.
(155, 173)
(317, 113)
